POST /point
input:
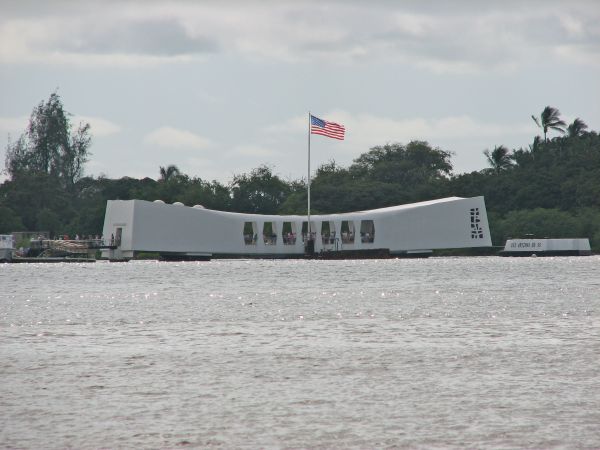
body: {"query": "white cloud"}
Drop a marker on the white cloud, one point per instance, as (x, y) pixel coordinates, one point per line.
(294, 124)
(99, 126)
(175, 138)
(413, 24)
(256, 151)
(13, 125)
(571, 25)
(369, 128)
(589, 55)
(464, 135)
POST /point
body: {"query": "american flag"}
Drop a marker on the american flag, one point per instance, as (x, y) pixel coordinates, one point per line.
(324, 128)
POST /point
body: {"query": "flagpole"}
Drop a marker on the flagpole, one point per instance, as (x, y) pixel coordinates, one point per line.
(308, 228)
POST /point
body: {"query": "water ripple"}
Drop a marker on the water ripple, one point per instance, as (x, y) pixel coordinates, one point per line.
(438, 353)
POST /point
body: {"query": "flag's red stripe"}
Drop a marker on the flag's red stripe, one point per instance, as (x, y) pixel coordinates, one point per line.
(331, 136)
(331, 129)
(324, 130)
(326, 133)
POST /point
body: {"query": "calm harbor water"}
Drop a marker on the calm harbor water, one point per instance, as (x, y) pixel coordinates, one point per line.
(438, 353)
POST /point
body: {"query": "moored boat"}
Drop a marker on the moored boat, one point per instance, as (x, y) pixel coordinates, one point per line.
(547, 247)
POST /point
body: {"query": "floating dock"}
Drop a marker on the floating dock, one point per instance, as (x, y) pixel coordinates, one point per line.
(18, 259)
(53, 250)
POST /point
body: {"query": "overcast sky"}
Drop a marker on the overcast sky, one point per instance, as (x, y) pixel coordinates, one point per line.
(221, 87)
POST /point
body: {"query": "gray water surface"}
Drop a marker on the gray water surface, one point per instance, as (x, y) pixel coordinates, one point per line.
(437, 353)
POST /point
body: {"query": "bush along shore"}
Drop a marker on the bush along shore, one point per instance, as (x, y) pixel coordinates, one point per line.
(548, 188)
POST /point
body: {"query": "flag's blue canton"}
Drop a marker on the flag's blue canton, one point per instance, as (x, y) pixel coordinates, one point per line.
(317, 122)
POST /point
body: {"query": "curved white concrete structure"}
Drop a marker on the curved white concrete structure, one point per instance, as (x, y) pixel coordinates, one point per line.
(139, 225)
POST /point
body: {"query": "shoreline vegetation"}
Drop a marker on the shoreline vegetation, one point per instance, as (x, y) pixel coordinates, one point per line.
(548, 188)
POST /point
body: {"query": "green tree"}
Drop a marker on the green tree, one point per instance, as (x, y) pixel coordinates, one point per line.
(550, 119)
(577, 128)
(29, 194)
(48, 220)
(48, 146)
(540, 222)
(9, 221)
(169, 172)
(417, 162)
(76, 155)
(260, 192)
(499, 159)
(211, 195)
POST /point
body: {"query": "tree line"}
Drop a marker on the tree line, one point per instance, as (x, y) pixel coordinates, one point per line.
(549, 188)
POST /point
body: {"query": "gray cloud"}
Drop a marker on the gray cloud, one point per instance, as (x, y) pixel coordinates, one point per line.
(477, 34)
(153, 37)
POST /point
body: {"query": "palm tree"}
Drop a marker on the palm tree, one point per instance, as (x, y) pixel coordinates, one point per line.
(550, 118)
(535, 146)
(169, 173)
(576, 128)
(500, 158)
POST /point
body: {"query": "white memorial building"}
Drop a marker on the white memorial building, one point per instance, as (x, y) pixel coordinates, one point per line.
(178, 231)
